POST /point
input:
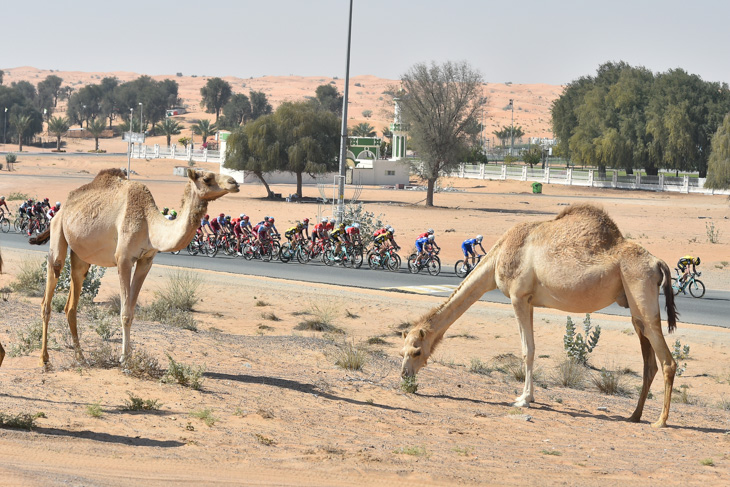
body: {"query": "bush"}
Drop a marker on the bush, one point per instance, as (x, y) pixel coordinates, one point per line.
(367, 220)
(90, 286)
(479, 367)
(11, 158)
(31, 279)
(610, 382)
(351, 357)
(135, 403)
(180, 290)
(185, 375)
(571, 374)
(162, 313)
(575, 345)
(680, 353)
(28, 339)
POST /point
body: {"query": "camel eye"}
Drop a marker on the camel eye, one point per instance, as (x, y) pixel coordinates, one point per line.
(417, 353)
(207, 179)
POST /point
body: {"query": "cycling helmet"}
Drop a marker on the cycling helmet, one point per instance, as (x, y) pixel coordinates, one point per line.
(58, 203)
(222, 215)
(271, 220)
(341, 226)
(45, 199)
(267, 224)
(165, 210)
(305, 221)
(241, 215)
(173, 213)
(30, 201)
(430, 238)
(228, 218)
(2, 198)
(245, 218)
(479, 238)
(324, 219)
(430, 231)
(300, 226)
(697, 261)
(207, 217)
(356, 225)
(266, 218)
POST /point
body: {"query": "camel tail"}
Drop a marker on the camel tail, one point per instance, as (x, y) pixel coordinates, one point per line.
(41, 238)
(672, 313)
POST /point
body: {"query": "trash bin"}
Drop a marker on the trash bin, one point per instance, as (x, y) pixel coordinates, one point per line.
(537, 187)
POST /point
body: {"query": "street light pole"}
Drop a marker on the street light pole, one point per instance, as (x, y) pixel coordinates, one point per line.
(512, 128)
(343, 132)
(129, 144)
(5, 125)
(141, 130)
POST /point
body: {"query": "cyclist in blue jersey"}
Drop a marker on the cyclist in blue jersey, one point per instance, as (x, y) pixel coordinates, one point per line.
(468, 248)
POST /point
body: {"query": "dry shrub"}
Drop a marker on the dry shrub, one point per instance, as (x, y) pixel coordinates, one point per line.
(31, 279)
(351, 357)
(570, 374)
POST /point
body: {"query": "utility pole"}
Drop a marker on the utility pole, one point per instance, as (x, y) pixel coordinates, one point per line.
(129, 145)
(512, 128)
(343, 133)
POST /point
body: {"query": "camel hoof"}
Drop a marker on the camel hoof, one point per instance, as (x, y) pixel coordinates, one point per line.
(634, 418)
(521, 403)
(659, 424)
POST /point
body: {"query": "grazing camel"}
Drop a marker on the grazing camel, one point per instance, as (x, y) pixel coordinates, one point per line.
(579, 263)
(114, 222)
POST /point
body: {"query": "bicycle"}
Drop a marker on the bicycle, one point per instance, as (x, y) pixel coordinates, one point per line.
(37, 226)
(312, 250)
(695, 286)
(389, 260)
(5, 223)
(350, 255)
(462, 268)
(21, 223)
(430, 261)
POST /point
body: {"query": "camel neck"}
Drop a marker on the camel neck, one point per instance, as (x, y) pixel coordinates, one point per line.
(172, 235)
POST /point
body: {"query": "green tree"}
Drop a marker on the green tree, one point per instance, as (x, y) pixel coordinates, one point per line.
(309, 139)
(363, 129)
(109, 107)
(236, 112)
(21, 123)
(440, 103)
(204, 128)
(48, 89)
(96, 127)
(168, 127)
(260, 105)
(718, 167)
(58, 126)
(84, 105)
(2, 74)
(329, 98)
(253, 147)
(216, 94)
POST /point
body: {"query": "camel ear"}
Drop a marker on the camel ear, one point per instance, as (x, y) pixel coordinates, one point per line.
(422, 333)
(405, 334)
(192, 174)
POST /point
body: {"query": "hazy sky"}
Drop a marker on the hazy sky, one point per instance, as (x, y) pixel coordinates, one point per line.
(525, 41)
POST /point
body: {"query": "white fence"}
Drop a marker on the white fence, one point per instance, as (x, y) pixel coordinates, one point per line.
(173, 152)
(589, 177)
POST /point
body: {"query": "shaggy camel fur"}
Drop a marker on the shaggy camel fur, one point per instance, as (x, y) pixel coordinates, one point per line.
(114, 222)
(579, 263)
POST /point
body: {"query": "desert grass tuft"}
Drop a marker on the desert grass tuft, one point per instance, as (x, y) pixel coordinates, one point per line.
(610, 382)
(270, 316)
(136, 403)
(22, 421)
(416, 451)
(351, 357)
(31, 279)
(94, 410)
(206, 416)
(571, 374)
(186, 375)
(478, 367)
(409, 384)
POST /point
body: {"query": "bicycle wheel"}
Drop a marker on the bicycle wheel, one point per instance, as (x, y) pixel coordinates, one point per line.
(16, 225)
(434, 266)
(413, 266)
(5, 225)
(211, 248)
(194, 247)
(356, 259)
(286, 253)
(394, 262)
(461, 269)
(248, 252)
(275, 249)
(675, 286)
(302, 255)
(374, 261)
(266, 253)
(697, 288)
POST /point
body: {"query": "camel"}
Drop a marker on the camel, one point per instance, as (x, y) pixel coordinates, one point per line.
(114, 222)
(579, 262)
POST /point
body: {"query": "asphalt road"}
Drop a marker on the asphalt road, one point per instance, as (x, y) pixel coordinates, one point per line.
(712, 309)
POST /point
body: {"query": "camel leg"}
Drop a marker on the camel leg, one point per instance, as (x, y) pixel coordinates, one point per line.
(124, 268)
(133, 287)
(79, 269)
(56, 259)
(669, 368)
(650, 369)
(2, 353)
(523, 312)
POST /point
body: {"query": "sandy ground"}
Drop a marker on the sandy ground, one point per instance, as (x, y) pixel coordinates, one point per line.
(287, 415)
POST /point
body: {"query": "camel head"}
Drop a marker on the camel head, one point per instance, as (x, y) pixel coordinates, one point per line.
(415, 352)
(210, 186)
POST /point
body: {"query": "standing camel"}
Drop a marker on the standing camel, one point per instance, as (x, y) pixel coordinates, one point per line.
(579, 263)
(114, 222)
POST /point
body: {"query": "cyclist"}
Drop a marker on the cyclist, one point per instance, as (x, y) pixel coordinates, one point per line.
(683, 265)
(468, 248)
(319, 228)
(53, 210)
(165, 211)
(172, 215)
(45, 204)
(305, 224)
(338, 235)
(228, 225)
(273, 231)
(217, 224)
(24, 209)
(353, 233)
(5, 204)
(425, 241)
(384, 241)
(294, 234)
(205, 224)
(264, 233)
(426, 233)
(245, 225)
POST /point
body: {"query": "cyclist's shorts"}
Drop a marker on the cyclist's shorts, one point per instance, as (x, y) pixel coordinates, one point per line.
(467, 249)
(419, 246)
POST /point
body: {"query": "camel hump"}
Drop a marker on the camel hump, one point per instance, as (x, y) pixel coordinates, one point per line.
(113, 172)
(592, 217)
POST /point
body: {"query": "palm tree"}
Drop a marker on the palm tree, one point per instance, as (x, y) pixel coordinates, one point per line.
(363, 130)
(168, 128)
(58, 126)
(205, 129)
(95, 128)
(21, 124)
